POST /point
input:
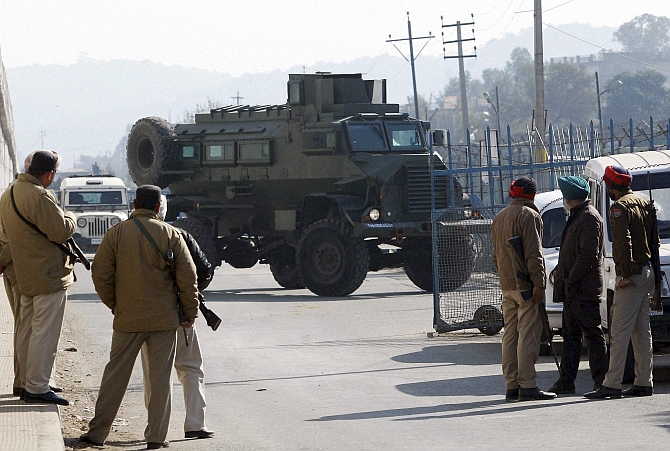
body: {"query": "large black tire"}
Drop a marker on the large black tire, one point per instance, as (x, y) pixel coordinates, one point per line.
(151, 151)
(456, 259)
(284, 269)
(330, 260)
(202, 236)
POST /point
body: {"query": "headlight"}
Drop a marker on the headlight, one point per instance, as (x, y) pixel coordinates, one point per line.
(374, 214)
(81, 222)
(114, 221)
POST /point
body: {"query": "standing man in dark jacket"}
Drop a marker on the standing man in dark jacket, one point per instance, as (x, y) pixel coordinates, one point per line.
(523, 327)
(578, 285)
(632, 238)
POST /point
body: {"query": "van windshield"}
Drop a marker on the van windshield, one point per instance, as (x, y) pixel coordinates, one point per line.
(553, 223)
(94, 198)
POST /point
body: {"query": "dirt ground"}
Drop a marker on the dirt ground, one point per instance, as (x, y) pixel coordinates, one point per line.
(79, 371)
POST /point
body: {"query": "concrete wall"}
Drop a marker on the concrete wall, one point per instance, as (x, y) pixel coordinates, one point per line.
(8, 160)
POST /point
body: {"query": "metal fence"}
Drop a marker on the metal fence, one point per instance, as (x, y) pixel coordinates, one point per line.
(467, 293)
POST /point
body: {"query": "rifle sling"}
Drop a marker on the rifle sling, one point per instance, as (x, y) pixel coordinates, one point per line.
(61, 246)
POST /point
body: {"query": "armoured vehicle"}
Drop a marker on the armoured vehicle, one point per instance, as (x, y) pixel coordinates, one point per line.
(324, 188)
(99, 202)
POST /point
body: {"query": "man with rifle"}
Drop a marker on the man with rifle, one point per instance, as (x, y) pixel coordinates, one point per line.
(36, 229)
(633, 237)
(523, 326)
(133, 278)
(578, 285)
(188, 358)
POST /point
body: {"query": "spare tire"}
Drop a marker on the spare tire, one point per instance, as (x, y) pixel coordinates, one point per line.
(151, 151)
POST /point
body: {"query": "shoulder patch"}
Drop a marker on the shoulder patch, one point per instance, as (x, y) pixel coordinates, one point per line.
(617, 212)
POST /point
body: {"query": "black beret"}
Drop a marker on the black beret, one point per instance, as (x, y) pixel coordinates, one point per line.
(147, 196)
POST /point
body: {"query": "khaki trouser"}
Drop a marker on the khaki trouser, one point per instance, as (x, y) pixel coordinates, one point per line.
(40, 323)
(630, 322)
(521, 340)
(188, 363)
(14, 296)
(160, 358)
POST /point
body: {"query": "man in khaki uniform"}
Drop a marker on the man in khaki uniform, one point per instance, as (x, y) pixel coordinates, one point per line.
(132, 278)
(521, 341)
(43, 270)
(632, 239)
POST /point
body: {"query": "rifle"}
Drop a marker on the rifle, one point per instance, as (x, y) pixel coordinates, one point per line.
(656, 303)
(80, 257)
(212, 318)
(525, 286)
(180, 311)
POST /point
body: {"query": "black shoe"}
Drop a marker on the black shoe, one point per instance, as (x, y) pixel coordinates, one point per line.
(84, 438)
(562, 388)
(22, 396)
(638, 390)
(512, 395)
(56, 389)
(48, 398)
(202, 433)
(155, 445)
(17, 391)
(604, 392)
(534, 394)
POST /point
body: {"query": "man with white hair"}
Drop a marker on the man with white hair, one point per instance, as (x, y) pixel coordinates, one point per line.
(36, 228)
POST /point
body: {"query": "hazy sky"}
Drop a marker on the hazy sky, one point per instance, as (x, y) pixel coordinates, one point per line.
(247, 36)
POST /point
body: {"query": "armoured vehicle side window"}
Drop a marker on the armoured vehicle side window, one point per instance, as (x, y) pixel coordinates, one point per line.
(405, 136)
(366, 137)
(253, 152)
(190, 153)
(220, 153)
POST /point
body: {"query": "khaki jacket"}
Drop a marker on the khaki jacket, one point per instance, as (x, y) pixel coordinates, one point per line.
(631, 234)
(132, 279)
(41, 267)
(520, 218)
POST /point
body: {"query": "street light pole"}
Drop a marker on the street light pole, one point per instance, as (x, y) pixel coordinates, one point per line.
(612, 86)
(495, 107)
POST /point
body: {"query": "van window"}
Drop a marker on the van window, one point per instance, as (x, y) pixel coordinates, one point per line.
(554, 221)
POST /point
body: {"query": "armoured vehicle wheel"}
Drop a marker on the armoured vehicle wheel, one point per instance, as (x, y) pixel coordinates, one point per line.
(200, 233)
(330, 260)
(287, 275)
(456, 262)
(150, 152)
(491, 317)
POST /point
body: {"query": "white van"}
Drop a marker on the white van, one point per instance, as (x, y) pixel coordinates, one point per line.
(99, 202)
(650, 168)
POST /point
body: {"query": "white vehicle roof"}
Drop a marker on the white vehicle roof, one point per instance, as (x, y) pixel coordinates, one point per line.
(91, 183)
(652, 161)
(550, 199)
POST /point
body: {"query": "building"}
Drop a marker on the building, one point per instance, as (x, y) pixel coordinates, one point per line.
(8, 159)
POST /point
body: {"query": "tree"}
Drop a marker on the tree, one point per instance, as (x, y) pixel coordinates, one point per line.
(570, 94)
(641, 95)
(189, 115)
(644, 34)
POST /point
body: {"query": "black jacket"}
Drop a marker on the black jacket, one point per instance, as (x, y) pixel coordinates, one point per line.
(578, 275)
(203, 268)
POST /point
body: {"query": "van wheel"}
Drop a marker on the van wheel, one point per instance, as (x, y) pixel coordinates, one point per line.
(330, 260)
(200, 232)
(151, 151)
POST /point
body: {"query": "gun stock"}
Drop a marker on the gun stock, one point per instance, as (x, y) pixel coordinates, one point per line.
(81, 258)
(212, 318)
(654, 243)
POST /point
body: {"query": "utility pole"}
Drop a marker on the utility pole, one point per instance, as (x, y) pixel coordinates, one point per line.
(540, 125)
(41, 134)
(461, 67)
(411, 58)
(237, 98)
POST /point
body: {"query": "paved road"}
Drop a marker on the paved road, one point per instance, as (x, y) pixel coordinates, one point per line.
(288, 370)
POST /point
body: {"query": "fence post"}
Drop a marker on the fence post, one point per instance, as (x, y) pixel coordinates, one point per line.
(469, 152)
(551, 156)
(651, 133)
(451, 171)
(611, 136)
(630, 135)
(592, 143)
(489, 153)
(667, 135)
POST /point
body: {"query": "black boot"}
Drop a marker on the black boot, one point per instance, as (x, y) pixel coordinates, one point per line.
(638, 390)
(534, 394)
(604, 392)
